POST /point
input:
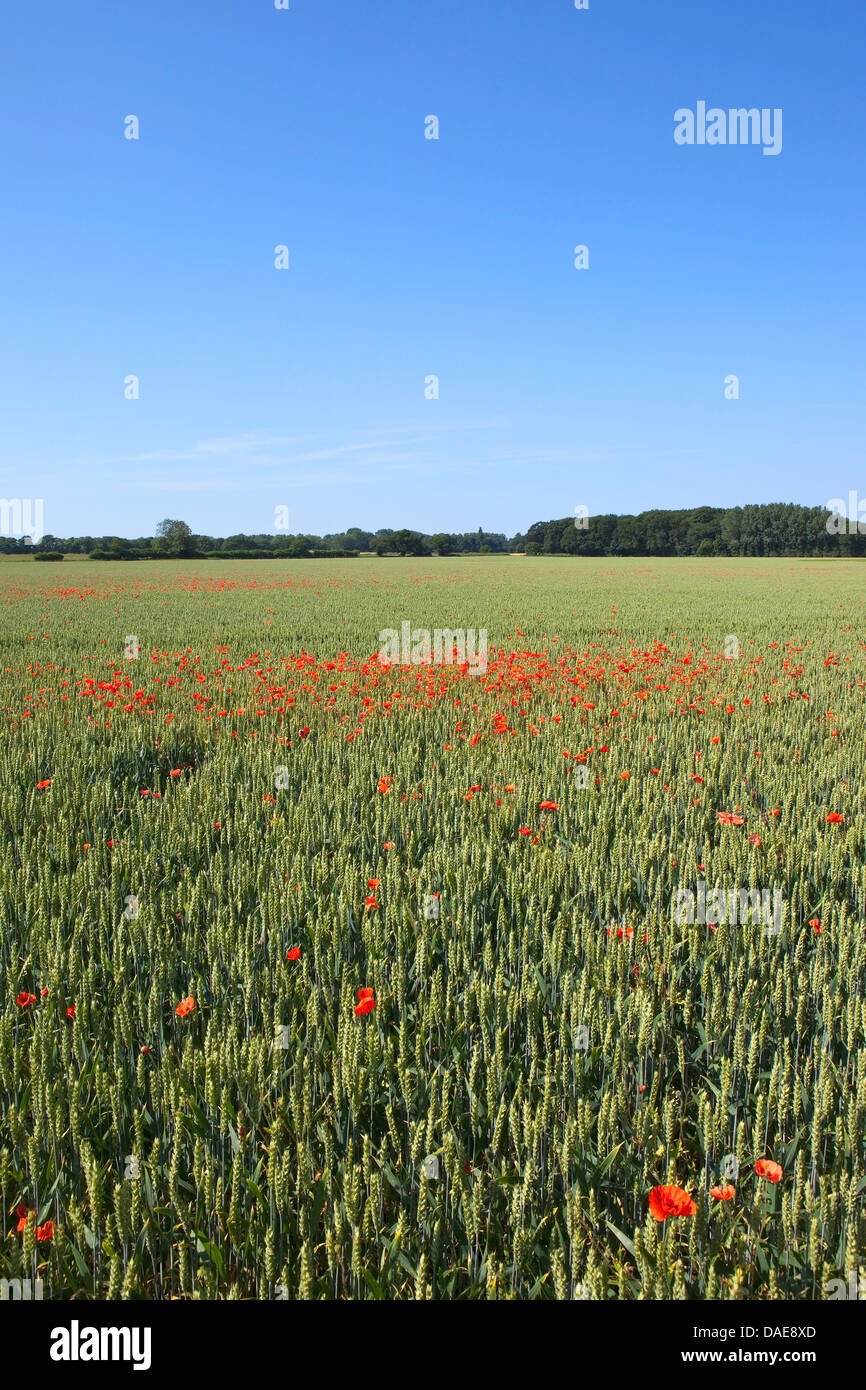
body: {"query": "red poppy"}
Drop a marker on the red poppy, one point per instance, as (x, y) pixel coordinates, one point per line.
(766, 1168)
(373, 883)
(834, 818)
(370, 905)
(524, 830)
(724, 1192)
(44, 991)
(294, 953)
(40, 786)
(548, 805)
(670, 1201)
(144, 1050)
(366, 1003)
(185, 1006)
(70, 1012)
(728, 818)
(45, 1232)
(384, 784)
(24, 999)
(23, 1217)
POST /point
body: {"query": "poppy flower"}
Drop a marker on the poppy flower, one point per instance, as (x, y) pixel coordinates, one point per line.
(70, 1012)
(370, 905)
(144, 1050)
(670, 1201)
(45, 1232)
(44, 991)
(524, 830)
(373, 883)
(728, 818)
(294, 953)
(766, 1168)
(24, 1000)
(23, 1217)
(815, 922)
(834, 818)
(40, 786)
(175, 772)
(366, 1003)
(302, 733)
(548, 805)
(724, 1192)
(185, 1007)
(389, 844)
(384, 784)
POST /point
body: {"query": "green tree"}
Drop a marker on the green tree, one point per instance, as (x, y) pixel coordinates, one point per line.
(174, 538)
(441, 543)
(408, 543)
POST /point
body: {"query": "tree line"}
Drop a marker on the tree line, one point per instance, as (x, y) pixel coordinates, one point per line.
(176, 539)
(763, 529)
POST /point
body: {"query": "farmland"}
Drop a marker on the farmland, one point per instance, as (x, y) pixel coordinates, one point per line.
(329, 979)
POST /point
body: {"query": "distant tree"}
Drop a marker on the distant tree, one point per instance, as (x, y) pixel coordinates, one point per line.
(380, 546)
(356, 539)
(298, 548)
(532, 548)
(174, 538)
(408, 543)
(440, 543)
(485, 550)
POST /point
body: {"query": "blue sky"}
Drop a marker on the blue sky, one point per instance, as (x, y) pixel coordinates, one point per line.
(409, 257)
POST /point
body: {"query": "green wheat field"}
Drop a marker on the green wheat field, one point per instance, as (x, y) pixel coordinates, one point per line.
(328, 978)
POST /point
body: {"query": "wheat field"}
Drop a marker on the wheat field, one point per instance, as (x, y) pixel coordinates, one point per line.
(330, 978)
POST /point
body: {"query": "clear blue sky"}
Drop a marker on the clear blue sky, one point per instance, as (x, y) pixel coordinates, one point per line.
(409, 257)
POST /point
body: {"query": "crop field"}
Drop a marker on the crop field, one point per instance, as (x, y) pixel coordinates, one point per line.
(324, 976)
